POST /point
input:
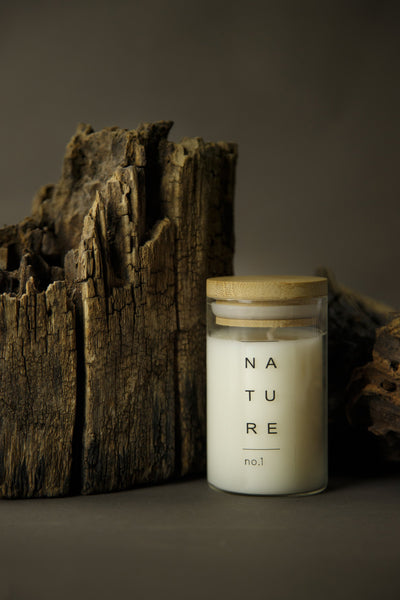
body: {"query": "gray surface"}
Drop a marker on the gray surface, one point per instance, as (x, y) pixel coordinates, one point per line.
(309, 89)
(184, 540)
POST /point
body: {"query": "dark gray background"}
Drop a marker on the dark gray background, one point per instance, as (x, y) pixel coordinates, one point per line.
(309, 90)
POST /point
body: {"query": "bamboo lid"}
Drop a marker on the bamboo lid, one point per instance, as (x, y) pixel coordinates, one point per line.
(259, 288)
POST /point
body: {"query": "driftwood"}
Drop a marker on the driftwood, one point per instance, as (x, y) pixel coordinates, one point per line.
(364, 380)
(102, 314)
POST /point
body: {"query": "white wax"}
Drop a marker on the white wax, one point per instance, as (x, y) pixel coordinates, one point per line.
(260, 446)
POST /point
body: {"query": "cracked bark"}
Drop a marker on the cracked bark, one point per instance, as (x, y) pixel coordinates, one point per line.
(37, 391)
(118, 251)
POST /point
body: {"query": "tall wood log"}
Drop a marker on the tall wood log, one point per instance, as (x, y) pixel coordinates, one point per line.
(131, 231)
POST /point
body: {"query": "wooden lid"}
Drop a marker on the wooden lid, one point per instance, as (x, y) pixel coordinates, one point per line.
(266, 288)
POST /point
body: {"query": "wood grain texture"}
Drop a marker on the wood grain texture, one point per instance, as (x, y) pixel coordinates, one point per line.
(37, 392)
(374, 392)
(197, 187)
(118, 251)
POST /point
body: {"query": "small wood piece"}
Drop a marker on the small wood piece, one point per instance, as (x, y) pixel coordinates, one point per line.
(364, 401)
(103, 370)
(374, 392)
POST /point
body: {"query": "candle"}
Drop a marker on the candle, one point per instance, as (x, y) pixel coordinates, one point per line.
(266, 385)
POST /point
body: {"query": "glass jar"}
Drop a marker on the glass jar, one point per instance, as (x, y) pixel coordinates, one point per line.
(267, 384)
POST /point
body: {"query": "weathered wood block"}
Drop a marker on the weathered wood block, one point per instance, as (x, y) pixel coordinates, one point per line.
(364, 381)
(102, 314)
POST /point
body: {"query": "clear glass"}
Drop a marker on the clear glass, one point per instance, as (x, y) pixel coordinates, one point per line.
(267, 396)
